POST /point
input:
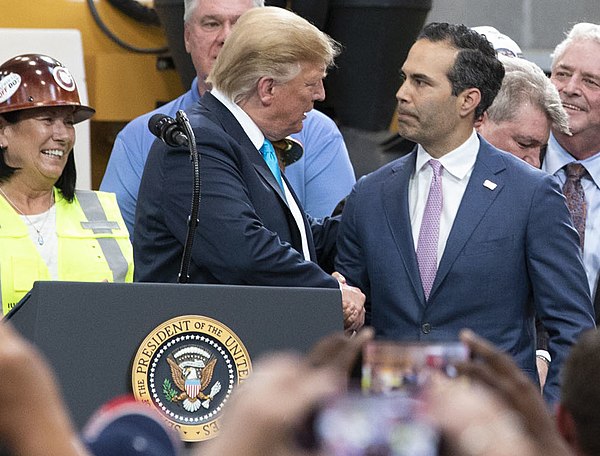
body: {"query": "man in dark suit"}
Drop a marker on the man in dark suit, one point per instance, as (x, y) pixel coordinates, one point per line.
(457, 233)
(252, 229)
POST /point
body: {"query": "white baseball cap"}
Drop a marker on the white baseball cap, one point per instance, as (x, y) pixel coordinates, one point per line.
(504, 45)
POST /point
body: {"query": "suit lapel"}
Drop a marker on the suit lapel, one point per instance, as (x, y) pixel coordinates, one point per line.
(221, 115)
(230, 124)
(477, 199)
(218, 113)
(307, 227)
(263, 169)
(395, 201)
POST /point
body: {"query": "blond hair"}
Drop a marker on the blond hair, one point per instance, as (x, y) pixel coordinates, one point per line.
(270, 42)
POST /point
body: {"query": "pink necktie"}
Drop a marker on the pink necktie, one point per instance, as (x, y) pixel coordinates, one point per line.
(575, 196)
(430, 230)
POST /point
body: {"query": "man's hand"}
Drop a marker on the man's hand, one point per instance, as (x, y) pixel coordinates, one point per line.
(338, 352)
(353, 304)
(542, 368)
(500, 374)
(267, 412)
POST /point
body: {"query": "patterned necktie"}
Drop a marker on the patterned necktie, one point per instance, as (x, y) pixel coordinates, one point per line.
(268, 153)
(575, 196)
(430, 230)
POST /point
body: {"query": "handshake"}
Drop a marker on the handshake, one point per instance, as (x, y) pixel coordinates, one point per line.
(353, 305)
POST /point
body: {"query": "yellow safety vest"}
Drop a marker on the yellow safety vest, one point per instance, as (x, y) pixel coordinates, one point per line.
(93, 245)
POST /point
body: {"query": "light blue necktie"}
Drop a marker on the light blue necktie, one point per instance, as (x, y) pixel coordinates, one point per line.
(268, 153)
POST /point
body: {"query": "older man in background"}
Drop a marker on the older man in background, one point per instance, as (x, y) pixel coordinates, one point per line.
(526, 107)
(575, 158)
(519, 121)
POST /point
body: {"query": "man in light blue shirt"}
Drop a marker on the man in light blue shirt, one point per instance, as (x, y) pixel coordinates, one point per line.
(576, 75)
(320, 178)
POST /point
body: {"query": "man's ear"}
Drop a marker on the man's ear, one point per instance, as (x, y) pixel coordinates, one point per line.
(187, 37)
(468, 100)
(566, 426)
(481, 120)
(265, 89)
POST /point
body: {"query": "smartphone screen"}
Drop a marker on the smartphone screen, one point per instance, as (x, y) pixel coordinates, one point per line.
(391, 367)
(359, 425)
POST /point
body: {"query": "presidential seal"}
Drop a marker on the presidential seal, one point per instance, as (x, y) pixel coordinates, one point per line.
(187, 368)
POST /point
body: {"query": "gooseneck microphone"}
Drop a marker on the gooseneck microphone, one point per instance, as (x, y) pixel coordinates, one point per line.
(168, 130)
(178, 132)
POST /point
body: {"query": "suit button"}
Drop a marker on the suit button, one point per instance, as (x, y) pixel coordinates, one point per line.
(426, 328)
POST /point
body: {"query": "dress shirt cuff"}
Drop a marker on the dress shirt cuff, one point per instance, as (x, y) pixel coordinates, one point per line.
(543, 354)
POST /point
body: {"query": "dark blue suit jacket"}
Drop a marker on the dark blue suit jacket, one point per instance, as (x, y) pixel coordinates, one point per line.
(246, 233)
(512, 252)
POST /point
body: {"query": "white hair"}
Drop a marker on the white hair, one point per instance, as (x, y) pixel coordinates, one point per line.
(190, 5)
(580, 32)
(525, 82)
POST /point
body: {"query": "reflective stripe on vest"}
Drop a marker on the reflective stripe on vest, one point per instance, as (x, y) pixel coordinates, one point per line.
(98, 223)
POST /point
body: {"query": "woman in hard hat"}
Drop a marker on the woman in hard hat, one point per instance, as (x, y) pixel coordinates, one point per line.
(49, 230)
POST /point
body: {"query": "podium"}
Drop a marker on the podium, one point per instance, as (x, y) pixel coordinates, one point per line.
(90, 332)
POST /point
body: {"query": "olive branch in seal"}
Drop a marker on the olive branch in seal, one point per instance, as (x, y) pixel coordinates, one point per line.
(168, 390)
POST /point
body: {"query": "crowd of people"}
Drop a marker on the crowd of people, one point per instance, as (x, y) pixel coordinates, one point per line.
(497, 412)
(491, 223)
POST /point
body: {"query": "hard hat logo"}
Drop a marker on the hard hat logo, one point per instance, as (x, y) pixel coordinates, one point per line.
(8, 86)
(63, 78)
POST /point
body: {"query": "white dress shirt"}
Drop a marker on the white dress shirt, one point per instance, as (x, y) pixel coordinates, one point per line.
(457, 168)
(46, 222)
(257, 138)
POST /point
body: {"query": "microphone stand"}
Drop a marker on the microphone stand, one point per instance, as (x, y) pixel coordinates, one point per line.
(193, 221)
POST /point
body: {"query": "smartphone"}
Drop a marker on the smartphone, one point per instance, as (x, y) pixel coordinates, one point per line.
(390, 367)
(360, 425)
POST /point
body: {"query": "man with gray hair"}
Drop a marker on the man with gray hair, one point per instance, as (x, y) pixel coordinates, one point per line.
(527, 105)
(321, 177)
(575, 158)
(519, 122)
(252, 229)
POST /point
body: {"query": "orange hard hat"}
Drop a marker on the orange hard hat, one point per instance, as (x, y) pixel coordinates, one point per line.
(36, 80)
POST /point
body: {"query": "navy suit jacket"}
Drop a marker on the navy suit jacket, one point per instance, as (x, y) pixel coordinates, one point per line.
(246, 233)
(512, 252)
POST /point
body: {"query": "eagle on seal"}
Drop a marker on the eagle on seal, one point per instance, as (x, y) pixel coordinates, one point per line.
(192, 375)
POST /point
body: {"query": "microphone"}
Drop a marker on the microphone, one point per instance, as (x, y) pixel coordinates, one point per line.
(167, 130)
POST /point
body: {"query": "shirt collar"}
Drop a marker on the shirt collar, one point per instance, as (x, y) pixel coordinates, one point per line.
(457, 162)
(250, 128)
(557, 157)
(194, 91)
